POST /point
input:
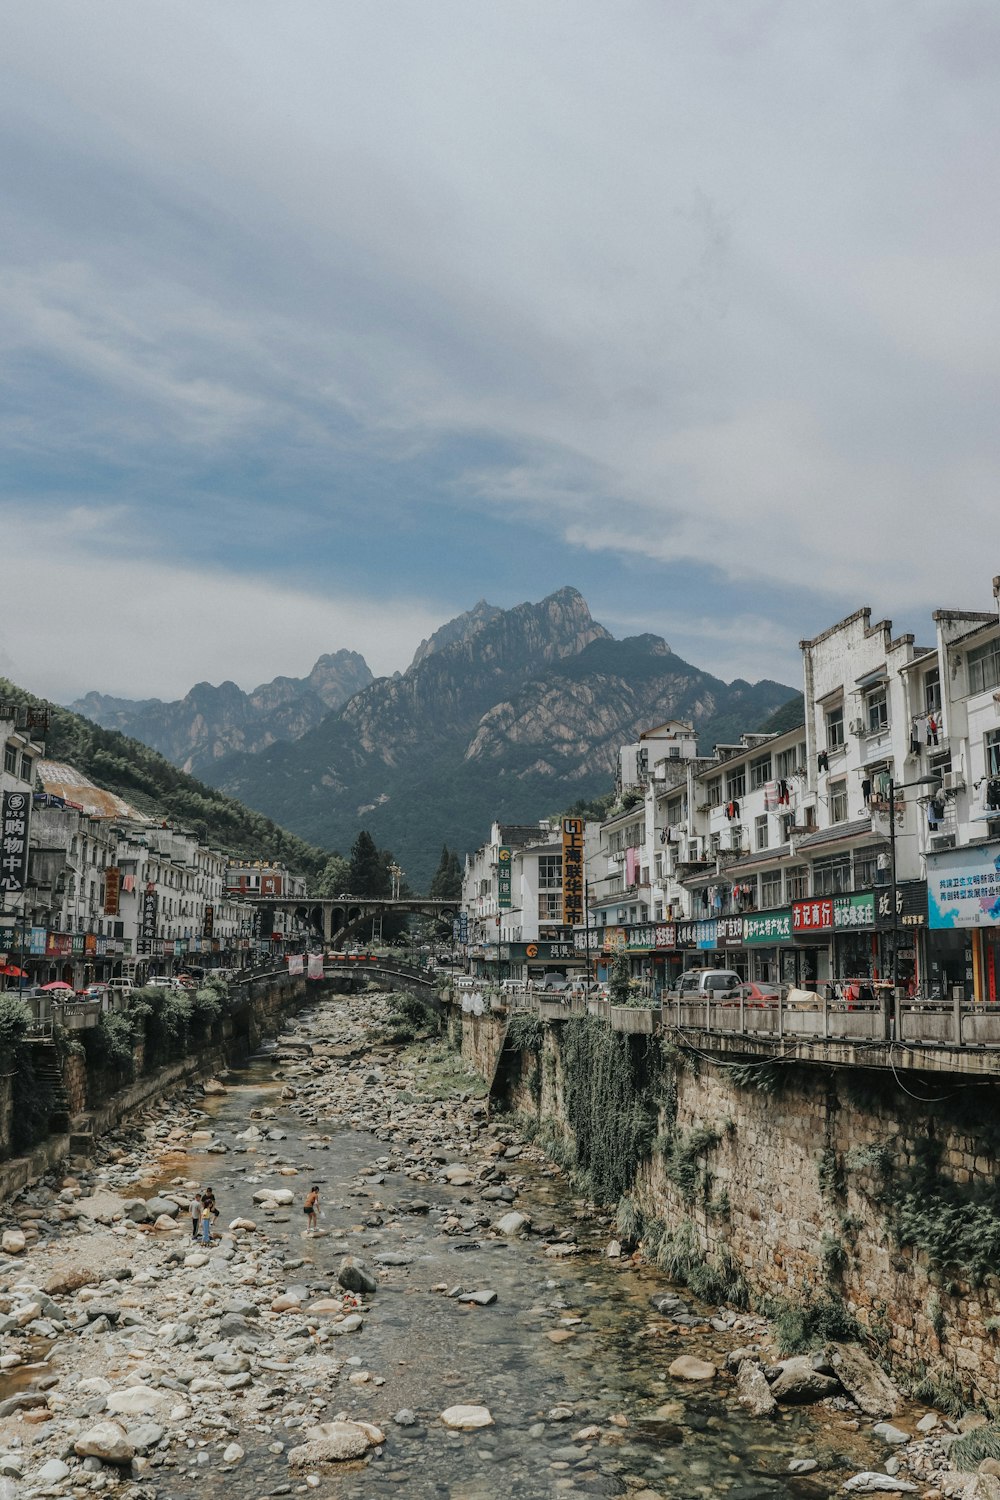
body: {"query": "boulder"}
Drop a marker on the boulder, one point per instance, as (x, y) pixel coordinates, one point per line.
(106, 1441)
(165, 1224)
(355, 1276)
(512, 1224)
(215, 1086)
(868, 1386)
(686, 1367)
(53, 1471)
(752, 1389)
(158, 1206)
(894, 1436)
(13, 1242)
(138, 1401)
(137, 1209)
(466, 1418)
(331, 1443)
(797, 1380)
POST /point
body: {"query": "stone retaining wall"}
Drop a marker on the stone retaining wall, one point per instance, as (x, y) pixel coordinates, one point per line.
(800, 1190)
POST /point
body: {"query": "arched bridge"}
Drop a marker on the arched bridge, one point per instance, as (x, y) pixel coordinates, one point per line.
(339, 917)
(393, 971)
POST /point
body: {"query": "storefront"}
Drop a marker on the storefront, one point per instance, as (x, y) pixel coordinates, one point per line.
(963, 906)
(767, 938)
(909, 931)
(855, 947)
(812, 930)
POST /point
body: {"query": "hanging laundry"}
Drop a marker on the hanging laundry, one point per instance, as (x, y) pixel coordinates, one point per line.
(866, 790)
(631, 865)
(823, 761)
(993, 794)
(772, 792)
(935, 812)
(933, 725)
(784, 792)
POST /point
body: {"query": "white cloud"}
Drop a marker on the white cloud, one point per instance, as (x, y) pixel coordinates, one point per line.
(107, 619)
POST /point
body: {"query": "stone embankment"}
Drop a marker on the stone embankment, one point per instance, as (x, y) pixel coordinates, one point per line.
(458, 1325)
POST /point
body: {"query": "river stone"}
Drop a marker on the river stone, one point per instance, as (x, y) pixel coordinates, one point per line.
(458, 1174)
(13, 1242)
(138, 1401)
(894, 1436)
(53, 1471)
(158, 1206)
(686, 1367)
(137, 1209)
(233, 1454)
(871, 1483)
(481, 1299)
(868, 1386)
(355, 1276)
(335, 1442)
(165, 1224)
(512, 1224)
(797, 1380)
(106, 1441)
(145, 1436)
(752, 1389)
(466, 1418)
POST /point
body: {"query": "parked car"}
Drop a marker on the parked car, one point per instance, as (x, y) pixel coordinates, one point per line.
(757, 994)
(697, 984)
(121, 986)
(554, 984)
(164, 982)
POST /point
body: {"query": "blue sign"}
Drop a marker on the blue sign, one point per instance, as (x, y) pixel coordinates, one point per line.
(963, 887)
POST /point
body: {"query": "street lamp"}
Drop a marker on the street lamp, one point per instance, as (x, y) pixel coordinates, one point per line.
(894, 787)
(396, 875)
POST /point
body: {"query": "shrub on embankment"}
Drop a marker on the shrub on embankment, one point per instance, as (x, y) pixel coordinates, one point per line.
(159, 1027)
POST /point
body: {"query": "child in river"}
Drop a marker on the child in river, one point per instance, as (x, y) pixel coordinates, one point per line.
(311, 1207)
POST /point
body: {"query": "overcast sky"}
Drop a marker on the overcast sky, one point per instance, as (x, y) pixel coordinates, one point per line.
(320, 321)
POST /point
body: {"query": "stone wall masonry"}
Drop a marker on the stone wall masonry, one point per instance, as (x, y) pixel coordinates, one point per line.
(800, 1192)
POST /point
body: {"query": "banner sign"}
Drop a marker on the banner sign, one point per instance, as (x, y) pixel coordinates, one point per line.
(58, 945)
(270, 885)
(812, 916)
(148, 914)
(963, 887)
(730, 932)
(572, 870)
(36, 943)
(296, 963)
(15, 812)
(852, 912)
(540, 952)
(702, 935)
(911, 905)
(463, 927)
(767, 927)
(315, 968)
(208, 923)
(503, 877)
(112, 890)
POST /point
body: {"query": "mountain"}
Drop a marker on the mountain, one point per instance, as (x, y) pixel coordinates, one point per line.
(209, 722)
(151, 784)
(503, 713)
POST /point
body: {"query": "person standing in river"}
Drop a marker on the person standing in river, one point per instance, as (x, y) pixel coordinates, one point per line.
(208, 1213)
(311, 1207)
(195, 1212)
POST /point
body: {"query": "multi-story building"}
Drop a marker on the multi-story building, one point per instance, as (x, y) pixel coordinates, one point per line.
(514, 895)
(21, 754)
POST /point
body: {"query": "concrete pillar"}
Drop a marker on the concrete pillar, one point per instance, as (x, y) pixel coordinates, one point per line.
(327, 909)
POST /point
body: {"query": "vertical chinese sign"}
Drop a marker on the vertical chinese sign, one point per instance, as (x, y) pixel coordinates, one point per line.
(148, 915)
(503, 878)
(208, 924)
(572, 871)
(112, 890)
(15, 813)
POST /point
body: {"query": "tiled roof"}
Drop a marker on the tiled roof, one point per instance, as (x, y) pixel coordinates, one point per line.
(836, 835)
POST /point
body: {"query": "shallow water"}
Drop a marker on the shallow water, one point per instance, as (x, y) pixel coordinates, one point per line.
(433, 1352)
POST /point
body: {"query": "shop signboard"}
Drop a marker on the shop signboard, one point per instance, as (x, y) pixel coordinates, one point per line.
(58, 945)
(853, 912)
(812, 916)
(572, 870)
(963, 887)
(208, 922)
(541, 951)
(702, 935)
(148, 914)
(911, 905)
(614, 939)
(15, 813)
(112, 890)
(36, 942)
(730, 932)
(503, 878)
(270, 885)
(767, 927)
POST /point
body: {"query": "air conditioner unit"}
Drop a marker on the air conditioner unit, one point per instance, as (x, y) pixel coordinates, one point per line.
(953, 781)
(857, 726)
(941, 841)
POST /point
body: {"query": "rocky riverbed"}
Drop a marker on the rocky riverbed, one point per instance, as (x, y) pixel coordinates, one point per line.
(457, 1326)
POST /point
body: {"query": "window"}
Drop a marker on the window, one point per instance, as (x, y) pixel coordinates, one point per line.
(549, 872)
(984, 667)
(550, 906)
(832, 876)
(674, 752)
(838, 802)
(735, 837)
(713, 792)
(10, 759)
(932, 691)
(865, 868)
(797, 883)
(760, 772)
(658, 865)
(835, 727)
(716, 844)
(787, 762)
(991, 745)
(787, 824)
(877, 709)
(675, 810)
(760, 832)
(27, 768)
(770, 889)
(736, 784)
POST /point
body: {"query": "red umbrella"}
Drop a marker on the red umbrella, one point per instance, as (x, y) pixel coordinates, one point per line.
(58, 984)
(13, 972)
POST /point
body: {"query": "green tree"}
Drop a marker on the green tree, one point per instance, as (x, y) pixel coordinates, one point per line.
(368, 873)
(335, 877)
(618, 991)
(447, 882)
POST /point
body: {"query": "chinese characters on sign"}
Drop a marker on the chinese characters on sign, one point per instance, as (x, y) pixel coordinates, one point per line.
(208, 924)
(774, 927)
(148, 915)
(572, 870)
(812, 916)
(851, 912)
(15, 810)
(503, 877)
(112, 890)
(963, 887)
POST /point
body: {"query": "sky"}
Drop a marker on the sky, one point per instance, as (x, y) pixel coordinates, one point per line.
(321, 321)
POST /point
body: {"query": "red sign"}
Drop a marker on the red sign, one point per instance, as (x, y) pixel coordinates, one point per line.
(812, 916)
(58, 945)
(270, 885)
(112, 887)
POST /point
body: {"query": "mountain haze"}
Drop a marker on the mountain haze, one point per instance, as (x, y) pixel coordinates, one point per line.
(209, 722)
(503, 713)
